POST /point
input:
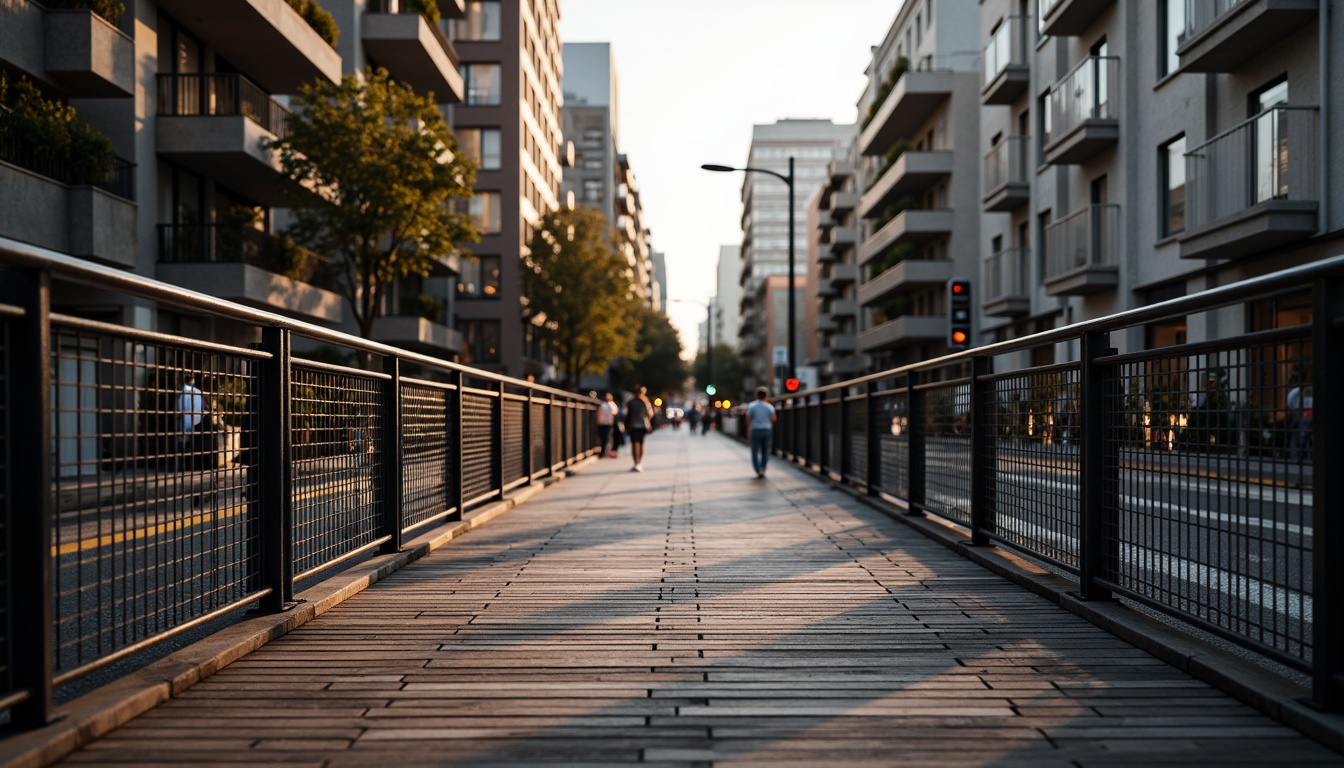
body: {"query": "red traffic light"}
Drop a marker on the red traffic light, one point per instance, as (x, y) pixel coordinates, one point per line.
(791, 385)
(958, 287)
(959, 337)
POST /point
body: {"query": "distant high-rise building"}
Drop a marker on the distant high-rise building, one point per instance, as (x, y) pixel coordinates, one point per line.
(658, 293)
(728, 294)
(509, 121)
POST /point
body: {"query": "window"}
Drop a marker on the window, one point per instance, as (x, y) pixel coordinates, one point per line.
(1043, 109)
(484, 212)
(1271, 141)
(482, 145)
(482, 82)
(482, 21)
(1043, 223)
(1171, 19)
(1172, 157)
(479, 278)
(592, 190)
(480, 341)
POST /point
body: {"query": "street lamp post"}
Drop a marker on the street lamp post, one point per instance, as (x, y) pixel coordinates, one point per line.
(792, 369)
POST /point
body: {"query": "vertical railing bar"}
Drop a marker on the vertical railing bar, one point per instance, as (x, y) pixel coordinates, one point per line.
(916, 428)
(982, 450)
(845, 436)
(455, 461)
(392, 455)
(497, 439)
(1094, 501)
(1328, 540)
(873, 457)
(274, 455)
(550, 435)
(528, 469)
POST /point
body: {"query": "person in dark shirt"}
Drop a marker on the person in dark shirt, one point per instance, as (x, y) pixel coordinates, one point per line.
(638, 424)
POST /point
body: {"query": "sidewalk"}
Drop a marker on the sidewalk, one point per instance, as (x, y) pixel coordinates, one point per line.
(692, 615)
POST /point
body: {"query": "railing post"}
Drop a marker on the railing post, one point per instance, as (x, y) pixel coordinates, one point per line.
(273, 504)
(392, 454)
(1098, 500)
(29, 547)
(807, 431)
(497, 439)
(457, 496)
(982, 451)
(528, 469)
(823, 436)
(915, 427)
(873, 456)
(550, 435)
(845, 440)
(1327, 352)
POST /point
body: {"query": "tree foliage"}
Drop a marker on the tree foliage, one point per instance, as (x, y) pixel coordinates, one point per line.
(729, 374)
(578, 292)
(656, 362)
(373, 170)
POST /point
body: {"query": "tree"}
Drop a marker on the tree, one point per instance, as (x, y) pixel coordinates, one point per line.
(656, 362)
(372, 170)
(729, 373)
(579, 292)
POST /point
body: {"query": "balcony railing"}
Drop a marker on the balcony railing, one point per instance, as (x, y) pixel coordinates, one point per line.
(224, 244)
(1006, 274)
(117, 178)
(1088, 92)
(1008, 47)
(1270, 157)
(1088, 237)
(218, 95)
(1201, 14)
(1006, 163)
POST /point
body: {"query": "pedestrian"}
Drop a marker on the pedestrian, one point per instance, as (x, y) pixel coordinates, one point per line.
(638, 424)
(606, 424)
(1299, 420)
(761, 427)
(693, 417)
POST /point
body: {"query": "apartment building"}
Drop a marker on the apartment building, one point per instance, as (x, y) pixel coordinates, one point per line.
(1135, 152)
(187, 92)
(511, 67)
(917, 180)
(833, 316)
(763, 307)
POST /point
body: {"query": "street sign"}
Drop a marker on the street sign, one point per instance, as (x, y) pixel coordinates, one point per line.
(781, 357)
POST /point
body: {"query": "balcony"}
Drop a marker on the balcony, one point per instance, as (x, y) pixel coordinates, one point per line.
(844, 308)
(827, 324)
(54, 204)
(843, 343)
(907, 108)
(842, 368)
(911, 226)
(417, 334)
(844, 274)
(86, 55)
(1007, 185)
(905, 276)
(842, 204)
(1007, 71)
(838, 170)
(215, 125)
(266, 39)
(250, 267)
(1063, 18)
(903, 332)
(1084, 112)
(1006, 280)
(1081, 251)
(412, 49)
(1254, 187)
(826, 288)
(839, 240)
(913, 172)
(1222, 35)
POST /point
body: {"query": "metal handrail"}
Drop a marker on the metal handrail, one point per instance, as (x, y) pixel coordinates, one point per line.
(1006, 47)
(220, 94)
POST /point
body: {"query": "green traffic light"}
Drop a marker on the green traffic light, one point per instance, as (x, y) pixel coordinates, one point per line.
(710, 389)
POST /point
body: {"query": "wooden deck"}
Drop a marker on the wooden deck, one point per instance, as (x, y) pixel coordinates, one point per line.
(693, 615)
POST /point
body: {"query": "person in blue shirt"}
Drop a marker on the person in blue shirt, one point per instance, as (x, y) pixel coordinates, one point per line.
(761, 427)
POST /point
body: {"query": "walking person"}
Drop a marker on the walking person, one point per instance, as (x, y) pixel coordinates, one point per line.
(606, 424)
(638, 424)
(761, 427)
(1299, 420)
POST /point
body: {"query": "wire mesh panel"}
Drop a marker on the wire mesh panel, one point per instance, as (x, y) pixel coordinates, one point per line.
(515, 445)
(813, 448)
(856, 439)
(152, 522)
(480, 476)
(1209, 464)
(1034, 462)
(538, 437)
(833, 426)
(426, 449)
(338, 457)
(947, 451)
(557, 433)
(891, 410)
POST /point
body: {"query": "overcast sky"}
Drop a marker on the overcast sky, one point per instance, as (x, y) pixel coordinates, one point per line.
(694, 76)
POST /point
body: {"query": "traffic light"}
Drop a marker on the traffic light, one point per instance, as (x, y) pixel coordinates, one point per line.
(727, 404)
(710, 389)
(791, 385)
(958, 313)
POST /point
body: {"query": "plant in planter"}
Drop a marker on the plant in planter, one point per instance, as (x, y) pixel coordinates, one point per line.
(422, 305)
(322, 22)
(427, 8)
(52, 138)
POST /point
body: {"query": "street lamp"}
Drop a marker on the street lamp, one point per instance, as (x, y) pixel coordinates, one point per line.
(792, 371)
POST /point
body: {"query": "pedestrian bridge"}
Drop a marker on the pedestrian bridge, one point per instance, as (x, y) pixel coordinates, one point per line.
(693, 615)
(415, 561)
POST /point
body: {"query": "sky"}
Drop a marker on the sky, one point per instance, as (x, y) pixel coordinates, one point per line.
(694, 76)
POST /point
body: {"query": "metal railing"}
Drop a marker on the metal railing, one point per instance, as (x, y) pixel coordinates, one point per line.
(1006, 163)
(117, 178)
(1202, 14)
(214, 243)
(1270, 157)
(1088, 237)
(1090, 91)
(1006, 274)
(185, 479)
(217, 95)
(1007, 47)
(1181, 477)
